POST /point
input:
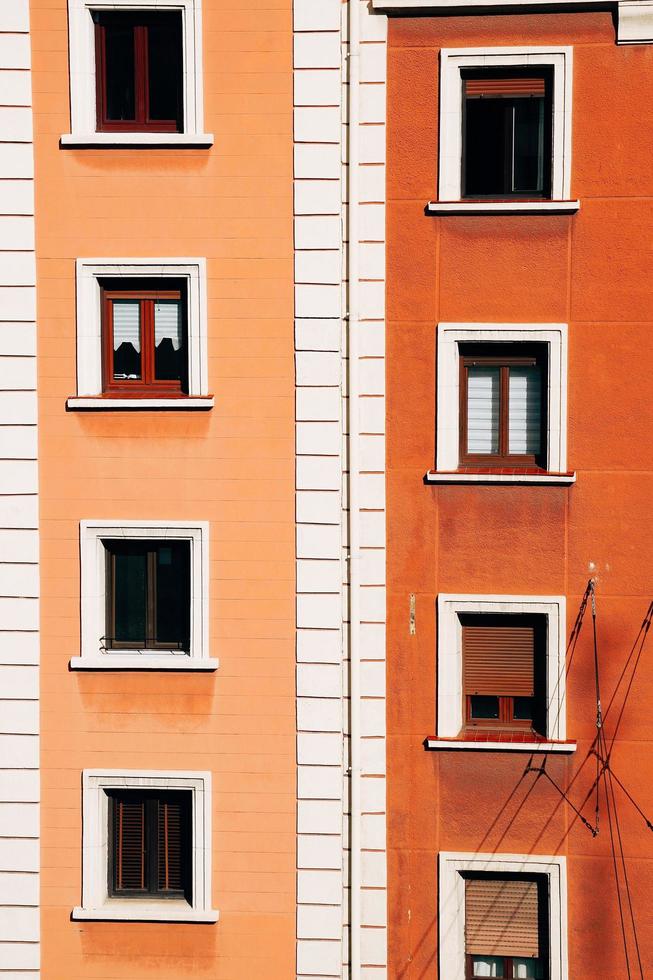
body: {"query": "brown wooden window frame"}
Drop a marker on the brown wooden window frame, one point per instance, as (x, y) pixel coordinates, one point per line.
(491, 355)
(140, 21)
(506, 722)
(150, 548)
(543, 924)
(151, 845)
(147, 386)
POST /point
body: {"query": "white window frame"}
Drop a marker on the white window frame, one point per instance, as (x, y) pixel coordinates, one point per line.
(82, 75)
(451, 904)
(89, 272)
(452, 62)
(450, 336)
(93, 593)
(96, 902)
(450, 720)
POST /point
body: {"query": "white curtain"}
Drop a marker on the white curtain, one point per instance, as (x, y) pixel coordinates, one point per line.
(525, 969)
(524, 411)
(126, 323)
(483, 415)
(167, 322)
(488, 966)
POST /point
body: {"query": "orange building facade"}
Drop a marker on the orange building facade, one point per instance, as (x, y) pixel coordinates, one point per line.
(481, 277)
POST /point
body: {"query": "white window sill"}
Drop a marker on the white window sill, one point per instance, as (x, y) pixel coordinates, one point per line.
(459, 744)
(138, 911)
(190, 140)
(101, 404)
(137, 661)
(502, 207)
(439, 5)
(543, 479)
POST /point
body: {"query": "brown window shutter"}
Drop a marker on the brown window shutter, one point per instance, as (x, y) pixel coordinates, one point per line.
(129, 830)
(501, 917)
(497, 87)
(170, 845)
(499, 660)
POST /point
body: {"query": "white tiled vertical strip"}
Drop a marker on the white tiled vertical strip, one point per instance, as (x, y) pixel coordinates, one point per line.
(19, 587)
(321, 93)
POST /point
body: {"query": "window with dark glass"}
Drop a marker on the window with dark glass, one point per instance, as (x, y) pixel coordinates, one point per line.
(139, 71)
(147, 595)
(503, 397)
(144, 338)
(150, 844)
(507, 133)
(504, 680)
(506, 927)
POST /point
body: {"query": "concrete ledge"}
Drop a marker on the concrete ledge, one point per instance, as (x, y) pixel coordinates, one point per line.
(118, 661)
(463, 745)
(542, 479)
(134, 140)
(130, 912)
(502, 207)
(101, 404)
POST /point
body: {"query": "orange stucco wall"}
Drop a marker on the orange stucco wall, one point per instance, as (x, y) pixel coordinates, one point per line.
(232, 466)
(592, 271)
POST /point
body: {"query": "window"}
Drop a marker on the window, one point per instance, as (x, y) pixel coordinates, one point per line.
(150, 841)
(502, 915)
(506, 926)
(507, 119)
(148, 595)
(144, 338)
(144, 596)
(503, 405)
(139, 71)
(141, 335)
(501, 672)
(505, 130)
(504, 672)
(136, 73)
(146, 846)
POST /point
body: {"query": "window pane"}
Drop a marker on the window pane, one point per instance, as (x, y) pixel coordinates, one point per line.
(528, 969)
(168, 340)
(164, 66)
(523, 709)
(119, 58)
(488, 966)
(484, 706)
(483, 410)
(528, 142)
(126, 340)
(129, 844)
(171, 830)
(173, 595)
(130, 596)
(524, 412)
(485, 147)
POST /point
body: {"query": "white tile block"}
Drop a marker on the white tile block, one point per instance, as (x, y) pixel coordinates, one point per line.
(18, 581)
(19, 925)
(319, 782)
(319, 921)
(319, 646)
(17, 268)
(372, 450)
(18, 476)
(17, 302)
(374, 946)
(373, 717)
(321, 611)
(320, 232)
(319, 750)
(373, 103)
(318, 161)
(319, 267)
(373, 62)
(373, 24)
(19, 546)
(374, 973)
(317, 124)
(373, 756)
(372, 223)
(318, 438)
(18, 889)
(19, 819)
(19, 786)
(372, 260)
(319, 817)
(372, 415)
(372, 302)
(19, 855)
(372, 491)
(15, 86)
(319, 680)
(18, 717)
(372, 566)
(373, 143)
(317, 368)
(374, 906)
(372, 641)
(318, 300)
(322, 959)
(319, 87)
(18, 441)
(18, 614)
(372, 184)
(373, 869)
(319, 852)
(373, 831)
(373, 604)
(16, 159)
(317, 197)
(319, 887)
(318, 334)
(16, 232)
(372, 529)
(18, 752)
(21, 957)
(15, 124)
(317, 50)
(17, 339)
(372, 372)
(316, 507)
(319, 715)
(14, 17)
(319, 403)
(373, 799)
(316, 15)
(14, 49)
(372, 674)
(318, 473)
(19, 648)
(319, 576)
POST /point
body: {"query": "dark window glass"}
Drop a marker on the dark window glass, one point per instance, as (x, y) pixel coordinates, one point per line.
(164, 60)
(169, 352)
(150, 842)
(148, 595)
(119, 68)
(523, 709)
(484, 706)
(507, 126)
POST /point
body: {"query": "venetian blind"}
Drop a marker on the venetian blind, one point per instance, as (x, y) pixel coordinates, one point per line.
(126, 323)
(524, 410)
(498, 87)
(483, 410)
(170, 820)
(501, 917)
(129, 844)
(167, 322)
(499, 660)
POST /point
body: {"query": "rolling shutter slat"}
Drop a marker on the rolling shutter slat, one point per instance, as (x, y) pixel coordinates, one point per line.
(501, 917)
(497, 87)
(499, 660)
(130, 845)
(170, 846)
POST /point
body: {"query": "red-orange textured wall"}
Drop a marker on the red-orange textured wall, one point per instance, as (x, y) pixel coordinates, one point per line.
(232, 466)
(592, 271)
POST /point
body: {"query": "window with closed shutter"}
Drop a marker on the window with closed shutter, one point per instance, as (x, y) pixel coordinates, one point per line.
(150, 843)
(506, 926)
